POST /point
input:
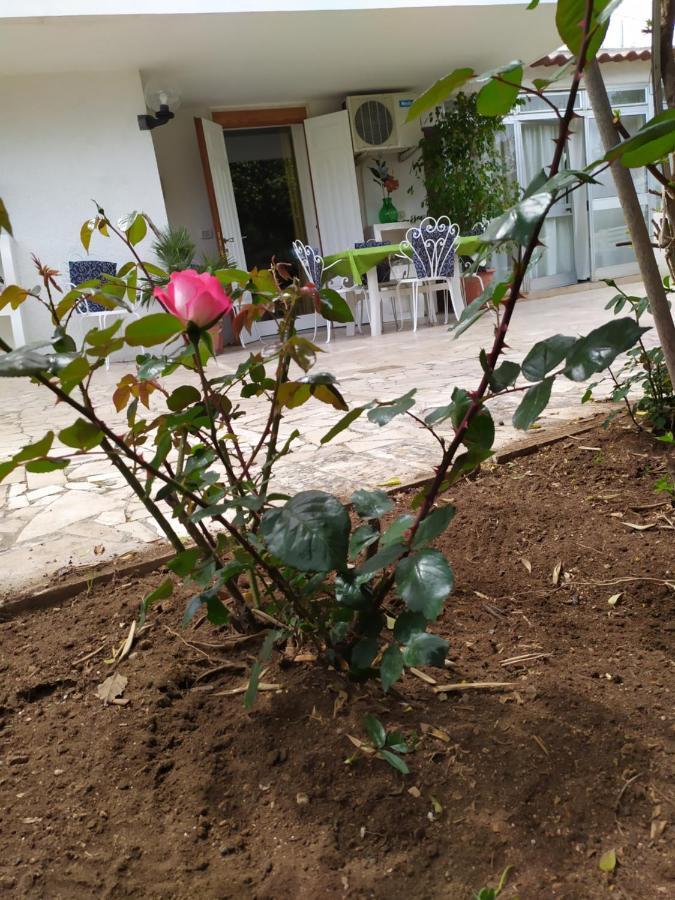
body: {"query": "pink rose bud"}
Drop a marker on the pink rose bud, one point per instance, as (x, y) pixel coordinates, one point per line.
(195, 298)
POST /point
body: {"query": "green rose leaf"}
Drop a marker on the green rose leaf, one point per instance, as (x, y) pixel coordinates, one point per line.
(74, 373)
(351, 591)
(137, 230)
(504, 376)
(455, 410)
(344, 422)
(13, 296)
(433, 526)
(310, 532)
(397, 529)
(391, 667)
(407, 624)
(424, 580)
(497, 97)
(22, 362)
(371, 504)
(383, 413)
(81, 435)
(184, 562)
(46, 465)
(334, 307)
(362, 537)
(520, 221)
(545, 355)
(6, 468)
(183, 396)
(384, 557)
(424, 649)
(470, 314)
(39, 448)
(533, 404)
(481, 430)
(230, 276)
(601, 347)
(569, 19)
(650, 144)
(438, 92)
(153, 329)
(216, 611)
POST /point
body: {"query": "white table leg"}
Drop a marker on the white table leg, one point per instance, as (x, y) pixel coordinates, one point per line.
(374, 305)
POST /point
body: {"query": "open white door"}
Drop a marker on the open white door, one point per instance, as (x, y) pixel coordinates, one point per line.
(219, 188)
(331, 162)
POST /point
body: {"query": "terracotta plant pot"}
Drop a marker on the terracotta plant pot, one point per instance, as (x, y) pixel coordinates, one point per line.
(473, 287)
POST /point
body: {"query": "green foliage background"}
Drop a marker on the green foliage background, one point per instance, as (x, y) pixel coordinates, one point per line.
(465, 175)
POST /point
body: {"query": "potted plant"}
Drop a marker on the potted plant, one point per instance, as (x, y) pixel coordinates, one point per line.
(465, 174)
(383, 177)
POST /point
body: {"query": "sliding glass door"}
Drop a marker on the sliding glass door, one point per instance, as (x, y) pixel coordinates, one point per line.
(555, 264)
(612, 253)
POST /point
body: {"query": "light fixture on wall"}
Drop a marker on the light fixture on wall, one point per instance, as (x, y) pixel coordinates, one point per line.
(164, 103)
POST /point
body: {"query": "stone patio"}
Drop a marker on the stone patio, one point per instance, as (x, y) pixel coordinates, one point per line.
(86, 514)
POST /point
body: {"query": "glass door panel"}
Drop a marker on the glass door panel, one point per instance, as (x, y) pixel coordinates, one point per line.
(555, 265)
(267, 192)
(611, 251)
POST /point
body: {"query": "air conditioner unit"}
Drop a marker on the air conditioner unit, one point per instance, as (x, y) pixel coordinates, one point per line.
(378, 122)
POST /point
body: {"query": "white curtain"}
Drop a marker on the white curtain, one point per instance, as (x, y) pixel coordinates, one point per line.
(582, 241)
(557, 255)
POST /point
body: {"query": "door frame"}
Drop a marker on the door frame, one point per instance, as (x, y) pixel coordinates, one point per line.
(293, 118)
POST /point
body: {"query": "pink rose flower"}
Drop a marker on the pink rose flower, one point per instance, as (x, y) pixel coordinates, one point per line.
(196, 298)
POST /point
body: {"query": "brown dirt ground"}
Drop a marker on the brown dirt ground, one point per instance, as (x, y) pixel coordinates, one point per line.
(181, 793)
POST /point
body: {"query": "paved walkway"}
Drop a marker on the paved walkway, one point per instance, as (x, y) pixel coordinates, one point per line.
(86, 513)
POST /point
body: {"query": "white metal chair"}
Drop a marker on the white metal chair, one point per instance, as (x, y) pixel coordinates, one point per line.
(82, 270)
(431, 248)
(386, 285)
(312, 265)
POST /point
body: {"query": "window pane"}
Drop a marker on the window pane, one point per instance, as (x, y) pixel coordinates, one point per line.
(623, 96)
(558, 98)
(609, 229)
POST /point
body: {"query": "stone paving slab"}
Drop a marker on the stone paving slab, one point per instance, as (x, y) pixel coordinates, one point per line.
(86, 514)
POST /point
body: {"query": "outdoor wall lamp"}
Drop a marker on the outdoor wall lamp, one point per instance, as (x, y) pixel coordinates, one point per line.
(161, 102)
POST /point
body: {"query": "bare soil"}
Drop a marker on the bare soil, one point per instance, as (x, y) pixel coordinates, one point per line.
(182, 793)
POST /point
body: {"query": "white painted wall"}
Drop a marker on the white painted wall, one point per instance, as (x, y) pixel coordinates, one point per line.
(408, 204)
(182, 177)
(65, 139)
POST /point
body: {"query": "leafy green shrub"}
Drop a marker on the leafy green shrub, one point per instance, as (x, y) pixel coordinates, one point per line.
(644, 370)
(465, 175)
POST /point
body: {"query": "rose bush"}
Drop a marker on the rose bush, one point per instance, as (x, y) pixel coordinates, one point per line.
(364, 589)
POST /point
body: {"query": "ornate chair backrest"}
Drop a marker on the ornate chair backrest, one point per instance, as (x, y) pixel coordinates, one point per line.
(82, 270)
(431, 245)
(310, 261)
(383, 268)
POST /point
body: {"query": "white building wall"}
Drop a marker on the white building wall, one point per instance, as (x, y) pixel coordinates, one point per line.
(182, 177)
(65, 139)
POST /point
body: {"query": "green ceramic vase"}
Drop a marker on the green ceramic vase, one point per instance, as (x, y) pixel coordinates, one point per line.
(388, 212)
